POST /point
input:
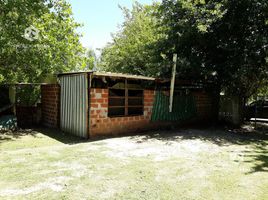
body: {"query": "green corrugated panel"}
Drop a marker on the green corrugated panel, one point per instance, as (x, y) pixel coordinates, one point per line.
(184, 107)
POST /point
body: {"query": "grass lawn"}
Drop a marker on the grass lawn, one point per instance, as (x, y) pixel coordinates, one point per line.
(182, 164)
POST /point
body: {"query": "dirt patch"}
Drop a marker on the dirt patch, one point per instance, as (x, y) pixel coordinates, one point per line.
(125, 148)
(55, 184)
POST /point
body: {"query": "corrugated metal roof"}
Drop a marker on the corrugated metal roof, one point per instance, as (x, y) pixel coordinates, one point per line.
(120, 75)
(111, 74)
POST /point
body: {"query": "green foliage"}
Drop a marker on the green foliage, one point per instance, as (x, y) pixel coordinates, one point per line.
(28, 95)
(263, 89)
(57, 49)
(90, 59)
(132, 49)
(223, 41)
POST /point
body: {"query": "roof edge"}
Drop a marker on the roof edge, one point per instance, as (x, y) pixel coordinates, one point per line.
(110, 74)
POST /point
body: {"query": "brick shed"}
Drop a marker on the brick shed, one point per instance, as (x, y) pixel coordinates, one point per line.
(90, 104)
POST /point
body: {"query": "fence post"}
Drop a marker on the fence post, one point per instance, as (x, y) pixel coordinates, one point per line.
(172, 82)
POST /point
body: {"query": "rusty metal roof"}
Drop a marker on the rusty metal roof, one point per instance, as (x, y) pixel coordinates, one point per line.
(111, 74)
(121, 75)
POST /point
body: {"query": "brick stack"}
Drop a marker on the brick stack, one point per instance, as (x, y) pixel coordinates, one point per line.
(101, 124)
(50, 98)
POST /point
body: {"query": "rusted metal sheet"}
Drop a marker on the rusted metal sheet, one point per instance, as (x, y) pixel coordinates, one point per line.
(74, 104)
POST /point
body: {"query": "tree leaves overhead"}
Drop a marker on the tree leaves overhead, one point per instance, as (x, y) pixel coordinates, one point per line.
(220, 41)
(132, 49)
(57, 48)
(224, 42)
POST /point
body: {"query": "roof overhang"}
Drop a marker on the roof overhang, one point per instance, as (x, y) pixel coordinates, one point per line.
(110, 74)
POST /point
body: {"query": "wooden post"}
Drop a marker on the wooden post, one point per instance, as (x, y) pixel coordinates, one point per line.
(172, 83)
(12, 97)
(126, 98)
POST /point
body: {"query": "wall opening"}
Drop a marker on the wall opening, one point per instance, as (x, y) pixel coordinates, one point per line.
(125, 102)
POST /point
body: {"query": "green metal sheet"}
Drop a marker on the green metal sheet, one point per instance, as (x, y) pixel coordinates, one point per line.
(184, 107)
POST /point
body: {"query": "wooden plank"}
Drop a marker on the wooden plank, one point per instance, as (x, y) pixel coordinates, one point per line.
(116, 97)
(132, 106)
(172, 83)
(115, 116)
(135, 97)
(126, 99)
(135, 105)
(116, 106)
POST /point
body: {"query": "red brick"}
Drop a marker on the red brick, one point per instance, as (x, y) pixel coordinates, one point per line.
(94, 105)
(100, 101)
(104, 95)
(98, 90)
(105, 120)
(104, 105)
(50, 97)
(119, 119)
(137, 117)
(105, 91)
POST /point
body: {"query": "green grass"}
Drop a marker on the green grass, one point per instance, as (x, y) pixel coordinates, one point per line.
(185, 164)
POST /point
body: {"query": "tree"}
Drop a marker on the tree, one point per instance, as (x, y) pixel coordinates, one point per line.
(91, 59)
(53, 46)
(132, 49)
(221, 41)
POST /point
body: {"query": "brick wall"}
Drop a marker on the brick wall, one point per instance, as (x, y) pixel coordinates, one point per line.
(101, 124)
(203, 104)
(50, 98)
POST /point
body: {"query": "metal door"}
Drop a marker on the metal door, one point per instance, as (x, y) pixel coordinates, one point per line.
(74, 104)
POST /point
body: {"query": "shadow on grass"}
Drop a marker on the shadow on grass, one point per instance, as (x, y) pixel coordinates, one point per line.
(52, 133)
(13, 135)
(257, 139)
(61, 136)
(217, 136)
(259, 158)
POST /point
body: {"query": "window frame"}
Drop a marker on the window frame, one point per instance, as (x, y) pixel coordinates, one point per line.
(126, 104)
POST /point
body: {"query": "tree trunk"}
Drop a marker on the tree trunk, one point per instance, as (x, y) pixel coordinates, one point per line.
(237, 110)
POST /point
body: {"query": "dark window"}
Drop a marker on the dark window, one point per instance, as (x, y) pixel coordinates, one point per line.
(125, 102)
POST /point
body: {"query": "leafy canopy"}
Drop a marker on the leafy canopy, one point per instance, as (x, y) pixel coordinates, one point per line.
(57, 48)
(132, 49)
(225, 41)
(220, 41)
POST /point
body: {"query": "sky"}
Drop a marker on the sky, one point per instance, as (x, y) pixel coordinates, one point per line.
(100, 18)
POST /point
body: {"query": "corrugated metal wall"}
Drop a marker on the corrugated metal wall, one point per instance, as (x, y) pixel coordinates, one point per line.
(184, 107)
(74, 104)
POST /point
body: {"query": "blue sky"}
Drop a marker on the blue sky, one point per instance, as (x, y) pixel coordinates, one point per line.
(100, 18)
